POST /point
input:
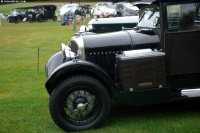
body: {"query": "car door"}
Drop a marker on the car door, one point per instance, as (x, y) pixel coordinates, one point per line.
(182, 39)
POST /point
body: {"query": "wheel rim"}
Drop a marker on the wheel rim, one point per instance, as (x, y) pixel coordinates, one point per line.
(80, 105)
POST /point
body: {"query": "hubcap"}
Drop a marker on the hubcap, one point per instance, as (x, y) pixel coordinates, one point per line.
(81, 107)
(79, 104)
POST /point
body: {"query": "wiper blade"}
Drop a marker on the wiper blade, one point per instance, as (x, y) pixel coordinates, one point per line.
(142, 16)
(152, 14)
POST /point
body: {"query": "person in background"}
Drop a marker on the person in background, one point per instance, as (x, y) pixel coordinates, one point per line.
(80, 16)
(15, 13)
(78, 1)
(64, 20)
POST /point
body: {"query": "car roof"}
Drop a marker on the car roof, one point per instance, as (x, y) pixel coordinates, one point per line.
(48, 7)
(29, 7)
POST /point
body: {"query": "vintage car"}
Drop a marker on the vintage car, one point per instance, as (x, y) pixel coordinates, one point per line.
(38, 13)
(154, 63)
(126, 9)
(43, 13)
(22, 12)
(103, 25)
(103, 9)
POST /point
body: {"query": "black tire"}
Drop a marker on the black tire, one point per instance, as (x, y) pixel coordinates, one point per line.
(54, 18)
(45, 19)
(19, 19)
(40, 18)
(30, 18)
(79, 103)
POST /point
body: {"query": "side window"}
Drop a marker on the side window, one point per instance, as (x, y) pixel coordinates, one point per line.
(183, 17)
(197, 17)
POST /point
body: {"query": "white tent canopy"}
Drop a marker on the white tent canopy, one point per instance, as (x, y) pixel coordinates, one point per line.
(2, 16)
(68, 8)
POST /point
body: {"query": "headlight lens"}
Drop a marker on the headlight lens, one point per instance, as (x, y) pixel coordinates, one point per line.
(68, 54)
(90, 27)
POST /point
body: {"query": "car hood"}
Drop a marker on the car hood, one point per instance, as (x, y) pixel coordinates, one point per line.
(122, 40)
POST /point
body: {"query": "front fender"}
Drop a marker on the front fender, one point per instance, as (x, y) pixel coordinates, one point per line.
(79, 67)
(55, 61)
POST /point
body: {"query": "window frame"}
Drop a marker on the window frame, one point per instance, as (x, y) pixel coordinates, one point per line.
(166, 25)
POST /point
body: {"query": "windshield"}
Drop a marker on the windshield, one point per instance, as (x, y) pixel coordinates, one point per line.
(150, 18)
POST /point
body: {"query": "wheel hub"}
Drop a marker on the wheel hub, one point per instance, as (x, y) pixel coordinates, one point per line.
(80, 103)
(81, 107)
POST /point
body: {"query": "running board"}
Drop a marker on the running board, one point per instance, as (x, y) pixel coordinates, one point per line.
(191, 92)
(186, 93)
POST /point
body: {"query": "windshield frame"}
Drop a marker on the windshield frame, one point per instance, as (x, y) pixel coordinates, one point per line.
(150, 17)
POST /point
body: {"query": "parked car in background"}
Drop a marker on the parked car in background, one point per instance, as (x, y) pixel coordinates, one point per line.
(43, 13)
(103, 9)
(49, 12)
(103, 25)
(126, 9)
(22, 14)
(38, 13)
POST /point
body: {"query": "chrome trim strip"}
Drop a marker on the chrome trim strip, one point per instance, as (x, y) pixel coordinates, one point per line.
(191, 92)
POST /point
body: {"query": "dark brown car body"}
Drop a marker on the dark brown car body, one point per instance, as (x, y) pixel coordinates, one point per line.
(158, 63)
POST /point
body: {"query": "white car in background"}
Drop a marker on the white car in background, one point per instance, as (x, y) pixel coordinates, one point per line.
(103, 9)
(126, 9)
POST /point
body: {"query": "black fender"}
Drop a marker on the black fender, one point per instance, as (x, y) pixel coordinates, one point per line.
(78, 67)
(56, 60)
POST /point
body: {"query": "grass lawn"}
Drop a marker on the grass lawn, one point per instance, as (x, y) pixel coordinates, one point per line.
(24, 100)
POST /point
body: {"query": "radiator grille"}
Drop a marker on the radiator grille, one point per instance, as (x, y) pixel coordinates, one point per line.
(106, 60)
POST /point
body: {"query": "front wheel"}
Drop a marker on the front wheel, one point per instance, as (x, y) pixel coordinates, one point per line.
(79, 103)
(54, 18)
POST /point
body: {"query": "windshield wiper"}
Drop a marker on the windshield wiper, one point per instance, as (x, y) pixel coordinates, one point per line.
(152, 14)
(142, 16)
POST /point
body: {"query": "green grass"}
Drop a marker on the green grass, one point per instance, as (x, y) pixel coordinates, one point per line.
(28, 112)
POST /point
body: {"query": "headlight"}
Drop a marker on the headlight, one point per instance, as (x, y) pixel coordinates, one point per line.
(90, 27)
(83, 28)
(67, 53)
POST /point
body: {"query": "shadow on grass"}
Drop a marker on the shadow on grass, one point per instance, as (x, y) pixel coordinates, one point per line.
(163, 113)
